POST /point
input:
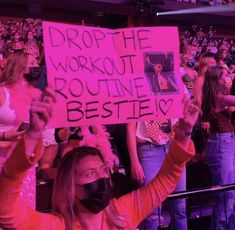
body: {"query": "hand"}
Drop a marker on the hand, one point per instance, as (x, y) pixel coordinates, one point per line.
(12, 135)
(137, 172)
(190, 112)
(40, 113)
(185, 125)
(206, 126)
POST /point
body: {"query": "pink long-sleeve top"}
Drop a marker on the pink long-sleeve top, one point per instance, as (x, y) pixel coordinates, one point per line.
(135, 206)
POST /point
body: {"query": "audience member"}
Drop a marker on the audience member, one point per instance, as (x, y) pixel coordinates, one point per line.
(219, 150)
(82, 192)
(16, 94)
(148, 144)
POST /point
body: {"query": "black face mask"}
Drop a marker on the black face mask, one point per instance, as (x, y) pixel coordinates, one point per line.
(33, 75)
(190, 64)
(98, 195)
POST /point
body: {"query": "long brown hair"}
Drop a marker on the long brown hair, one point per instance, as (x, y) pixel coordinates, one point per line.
(14, 69)
(63, 200)
(211, 88)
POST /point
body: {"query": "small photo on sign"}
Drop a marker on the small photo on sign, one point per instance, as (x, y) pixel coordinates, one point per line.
(159, 71)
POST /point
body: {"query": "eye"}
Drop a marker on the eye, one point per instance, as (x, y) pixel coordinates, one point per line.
(89, 174)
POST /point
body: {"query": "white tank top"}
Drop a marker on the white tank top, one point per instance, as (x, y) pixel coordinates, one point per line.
(7, 115)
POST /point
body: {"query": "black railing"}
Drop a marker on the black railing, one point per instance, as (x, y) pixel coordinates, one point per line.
(202, 191)
(200, 203)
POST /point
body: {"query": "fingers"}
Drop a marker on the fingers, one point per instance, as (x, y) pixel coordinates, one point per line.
(18, 134)
(190, 114)
(41, 108)
(190, 107)
(42, 112)
(141, 179)
(121, 221)
(42, 104)
(186, 105)
(49, 95)
(138, 175)
(185, 98)
(13, 135)
(193, 109)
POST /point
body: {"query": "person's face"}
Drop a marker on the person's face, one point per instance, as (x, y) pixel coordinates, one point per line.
(210, 62)
(223, 47)
(17, 36)
(158, 68)
(32, 62)
(224, 54)
(30, 35)
(189, 58)
(89, 169)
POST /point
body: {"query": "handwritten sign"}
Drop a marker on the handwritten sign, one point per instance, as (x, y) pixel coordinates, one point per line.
(112, 76)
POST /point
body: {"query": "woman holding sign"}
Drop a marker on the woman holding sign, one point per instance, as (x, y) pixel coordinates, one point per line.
(82, 196)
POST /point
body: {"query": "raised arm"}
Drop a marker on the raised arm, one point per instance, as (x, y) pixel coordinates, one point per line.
(138, 204)
(226, 100)
(197, 89)
(14, 214)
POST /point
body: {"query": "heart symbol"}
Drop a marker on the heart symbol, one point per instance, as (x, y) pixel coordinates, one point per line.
(165, 105)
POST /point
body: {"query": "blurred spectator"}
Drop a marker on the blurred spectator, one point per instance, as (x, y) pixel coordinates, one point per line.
(187, 71)
(16, 95)
(20, 34)
(205, 62)
(219, 150)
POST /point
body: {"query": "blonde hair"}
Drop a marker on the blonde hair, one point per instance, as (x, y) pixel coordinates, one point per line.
(14, 69)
